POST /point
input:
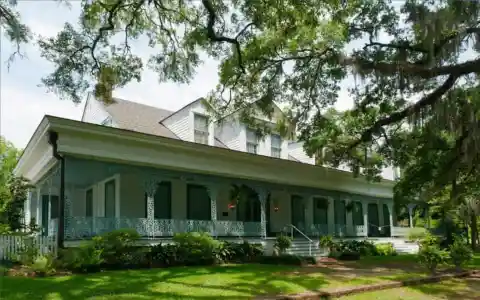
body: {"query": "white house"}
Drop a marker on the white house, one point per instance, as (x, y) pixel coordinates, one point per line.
(128, 165)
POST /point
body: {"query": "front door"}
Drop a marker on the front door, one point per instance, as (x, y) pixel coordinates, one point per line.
(298, 213)
(198, 203)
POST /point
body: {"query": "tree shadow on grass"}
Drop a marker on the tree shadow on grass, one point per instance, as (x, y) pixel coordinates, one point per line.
(238, 282)
(464, 288)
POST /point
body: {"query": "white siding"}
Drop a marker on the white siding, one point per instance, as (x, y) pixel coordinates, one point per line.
(182, 123)
(229, 131)
(94, 112)
(297, 152)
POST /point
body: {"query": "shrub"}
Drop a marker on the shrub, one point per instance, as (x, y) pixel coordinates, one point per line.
(364, 248)
(28, 254)
(42, 265)
(327, 241)
(385, 249)
(117, 246)
(431, 256)
(196, 248)
(429, 240)
(86, 258)
(164, 255)
(460, 253)
(282, 243)
(416, 233)
(241, 252)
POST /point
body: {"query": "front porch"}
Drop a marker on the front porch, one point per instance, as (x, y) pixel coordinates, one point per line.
(102, 196)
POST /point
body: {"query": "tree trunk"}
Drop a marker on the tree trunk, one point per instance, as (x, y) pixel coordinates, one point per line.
(473, 225)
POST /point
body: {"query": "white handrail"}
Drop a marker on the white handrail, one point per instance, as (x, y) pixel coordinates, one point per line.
(292, 227)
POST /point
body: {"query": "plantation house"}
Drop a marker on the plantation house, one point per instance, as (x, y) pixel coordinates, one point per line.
(128, 165)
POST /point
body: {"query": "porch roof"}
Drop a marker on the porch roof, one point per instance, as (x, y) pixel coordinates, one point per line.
(125, 146)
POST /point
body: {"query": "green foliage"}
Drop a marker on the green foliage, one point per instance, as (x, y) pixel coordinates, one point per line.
(460, 253)
(197, 248)
(417, 234)
(86, 258)
(29, 253)
(430, 256)
(327, 241)
(117, 247)
(385, 249)
(429, 240)
(282, 243)
(42, 265)
(364, 248)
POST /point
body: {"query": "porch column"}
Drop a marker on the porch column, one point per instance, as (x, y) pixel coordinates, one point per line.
(212, 193)
(308, 215)
(39, 207)
(349, 217)
(49, 229)
(262, 197)
(27, 209)
(390, 216)
(365, 217)
(331, 216)
(150, 189)
(410, 214)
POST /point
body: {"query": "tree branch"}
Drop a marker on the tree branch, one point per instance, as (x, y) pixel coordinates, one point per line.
(400, 115)
(220, 38)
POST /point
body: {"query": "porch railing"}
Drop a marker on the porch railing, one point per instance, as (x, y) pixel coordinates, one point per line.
(86, 227)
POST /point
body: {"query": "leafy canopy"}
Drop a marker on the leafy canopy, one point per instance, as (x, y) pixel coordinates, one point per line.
(415, 91)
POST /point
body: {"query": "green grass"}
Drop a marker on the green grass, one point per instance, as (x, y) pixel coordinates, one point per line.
(227, 282)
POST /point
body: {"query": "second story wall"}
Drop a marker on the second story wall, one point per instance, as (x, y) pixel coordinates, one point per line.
(94, 112)
(232, 133)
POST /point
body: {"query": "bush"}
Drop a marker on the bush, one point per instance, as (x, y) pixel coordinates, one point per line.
(327, 241)
(431, 256)
(385, 249)
(241, 252)
(429, 240)
(85, 258)
(118, 246)
(364, 248)
(286, 259)
(197, 248)
(460, 253)
(42, 265)
(164, 255)
(416, 233)
(282, 243)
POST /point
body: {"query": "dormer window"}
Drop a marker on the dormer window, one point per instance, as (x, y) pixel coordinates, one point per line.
(252, 141)
(107, 122)
(276, 147)
(200, 129)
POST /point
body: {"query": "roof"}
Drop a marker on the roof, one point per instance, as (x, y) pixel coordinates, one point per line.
(143, 118)
(139, 117)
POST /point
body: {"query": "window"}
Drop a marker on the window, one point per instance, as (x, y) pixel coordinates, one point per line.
(252, 141)
(110, 195)
(200, 129)
(276, 145)
(107, 122)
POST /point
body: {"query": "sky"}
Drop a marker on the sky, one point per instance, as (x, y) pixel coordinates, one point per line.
(24, 102)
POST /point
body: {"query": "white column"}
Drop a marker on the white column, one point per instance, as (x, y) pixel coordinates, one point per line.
(331, 216)
(39, 207)
(410, 214)
(49, 225)
(150, 189)
(308, 214)
(212, 193)
(390, 217)
(27, 208)
(211, 133)
(365, 217)
(262, 197)
(349, 217)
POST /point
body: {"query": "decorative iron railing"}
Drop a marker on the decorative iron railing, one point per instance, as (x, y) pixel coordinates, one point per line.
(86, 227)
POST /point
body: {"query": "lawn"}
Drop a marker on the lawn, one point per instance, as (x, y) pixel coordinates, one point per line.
(230, 281)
